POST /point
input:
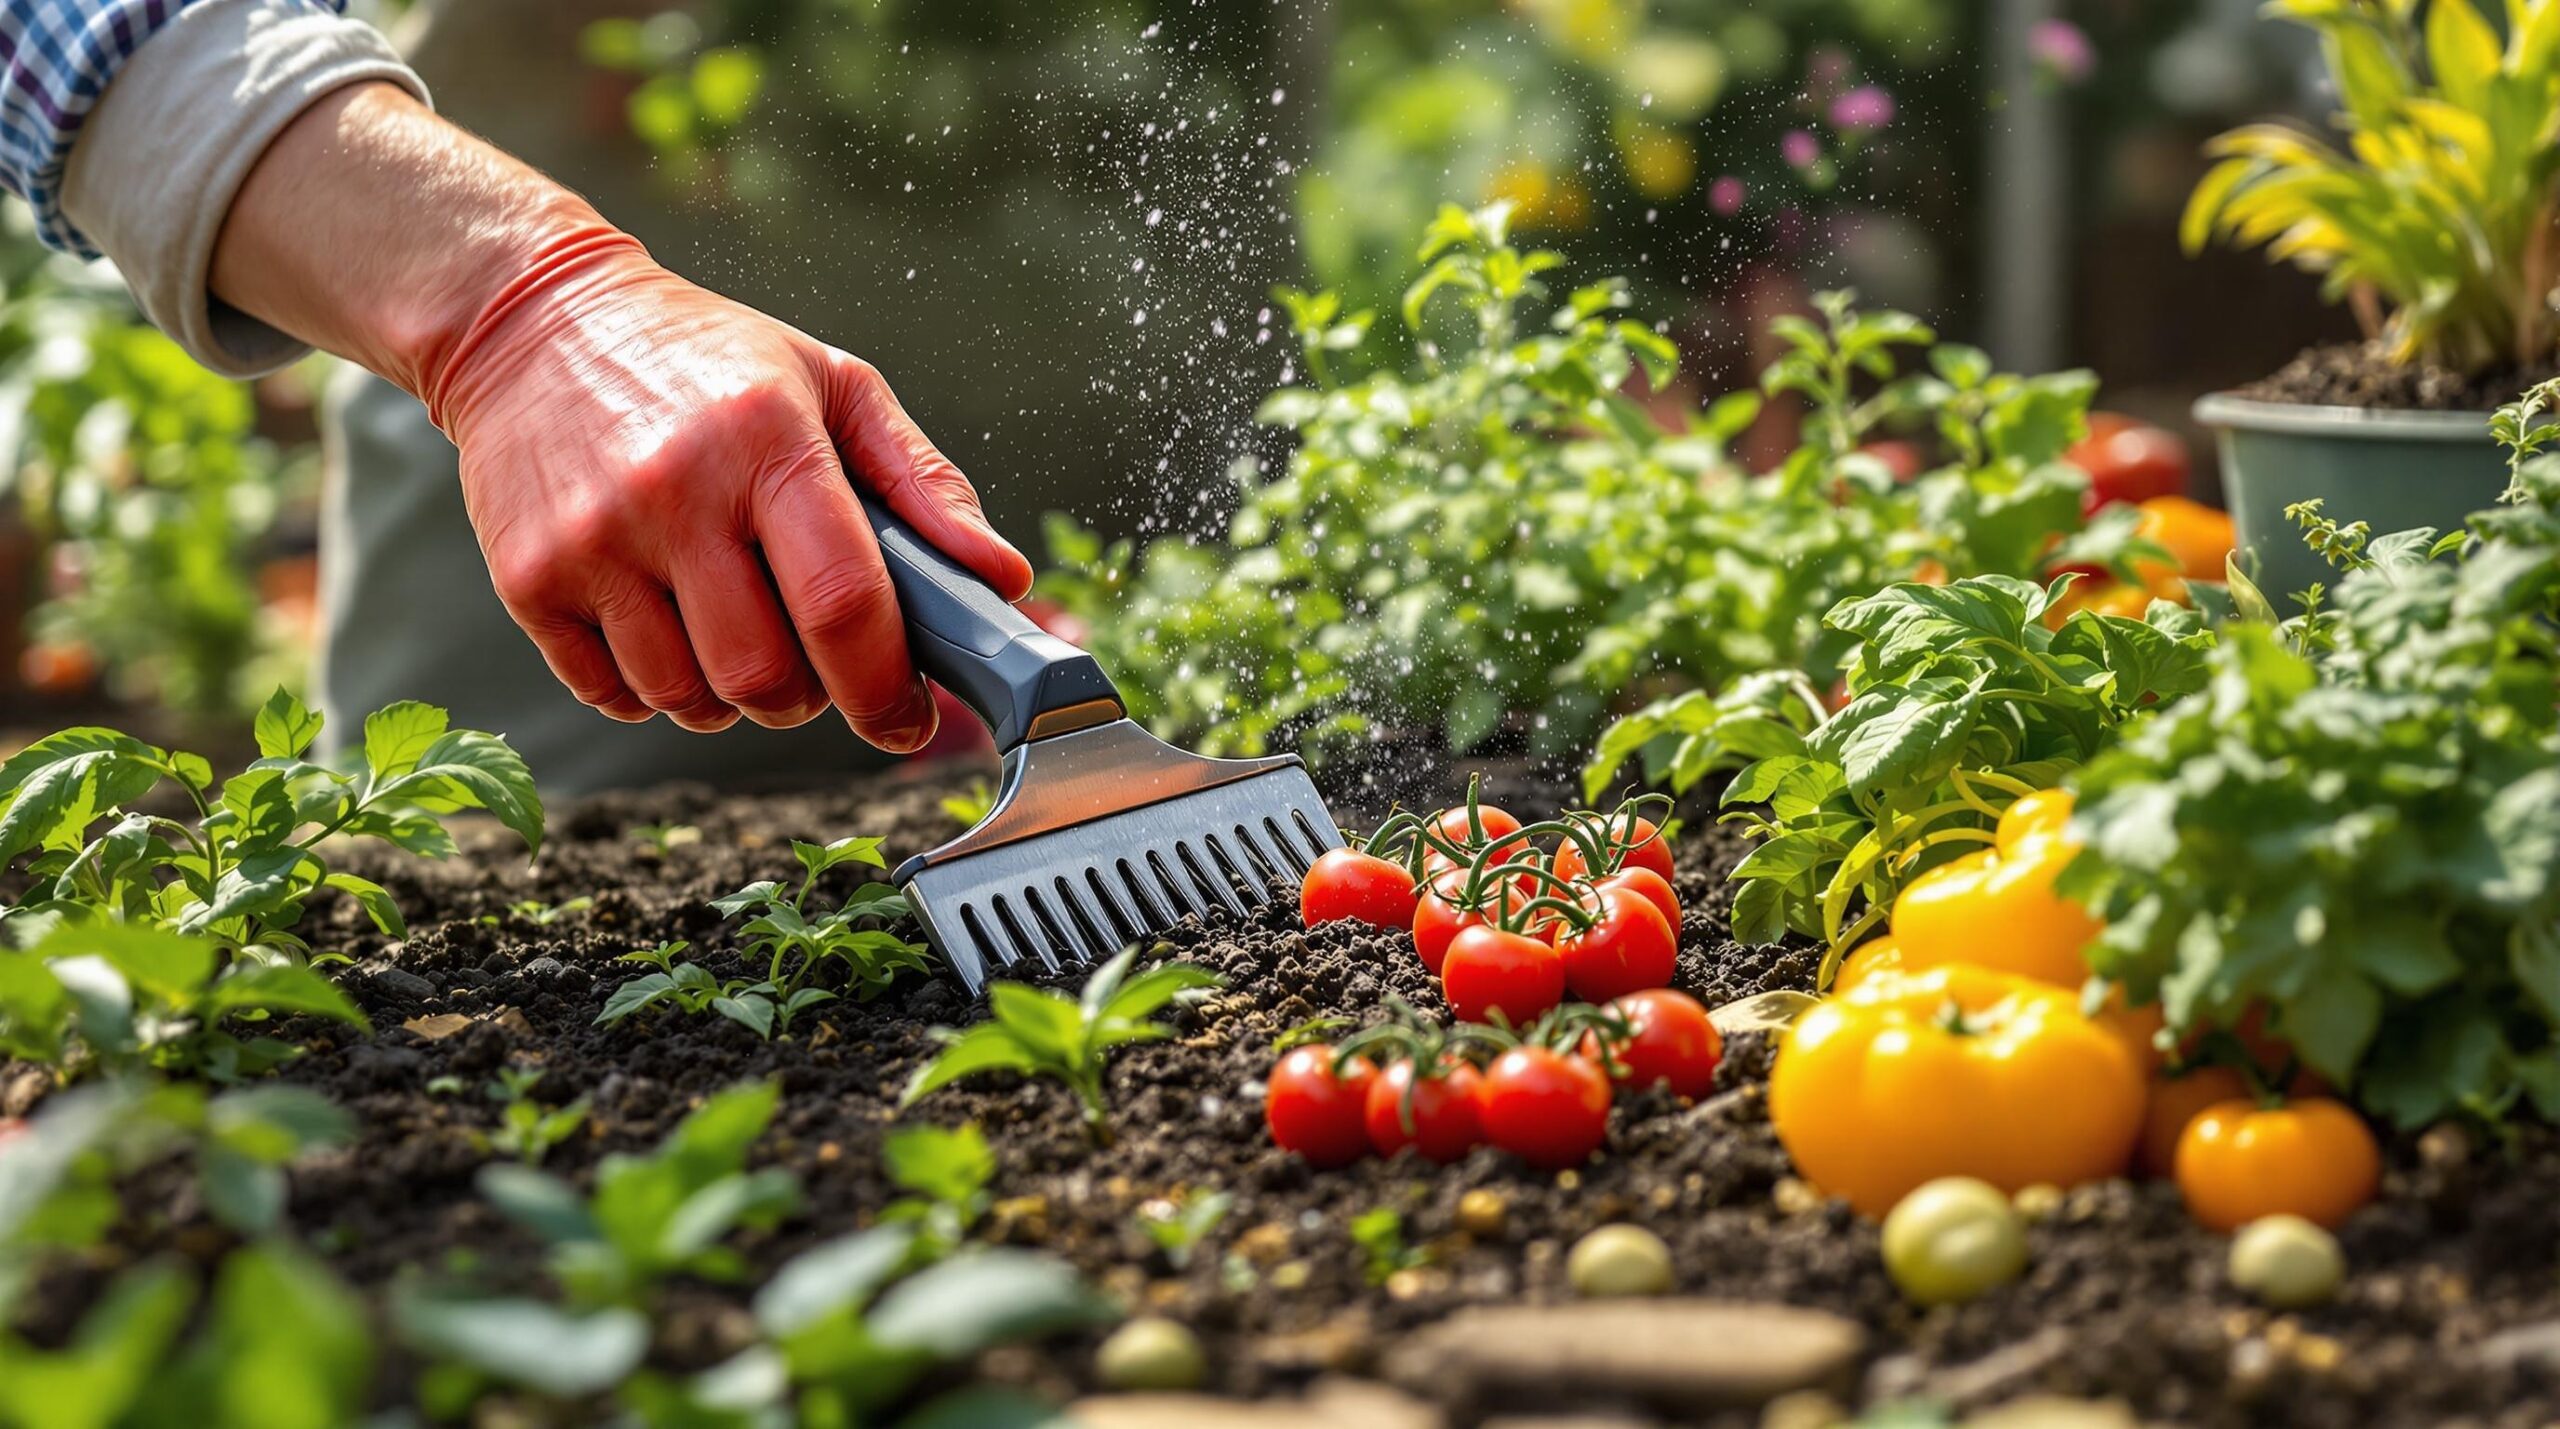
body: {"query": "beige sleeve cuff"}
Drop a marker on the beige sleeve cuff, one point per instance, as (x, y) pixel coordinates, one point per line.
(156, 166)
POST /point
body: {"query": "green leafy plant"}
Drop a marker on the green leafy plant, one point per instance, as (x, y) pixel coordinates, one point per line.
(846, 1332)
(527, 1130)
(851, 945)
(663, 839)
(1379, 1234)
(1038, 1033)
(59, 1180)
(653, 1216)
(2440, 204)
(1508, 531)
(539, 913)
(945, 1172)
(1959, 699)
(241, 871)
(278, 1344)
(2353, 831)
(1178, 1225)
(108, 997)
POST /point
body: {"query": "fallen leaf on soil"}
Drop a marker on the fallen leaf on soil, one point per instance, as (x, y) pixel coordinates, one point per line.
(438, 1027)
(1765, 1012)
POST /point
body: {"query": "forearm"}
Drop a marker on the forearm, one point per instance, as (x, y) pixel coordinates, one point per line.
(377, 231)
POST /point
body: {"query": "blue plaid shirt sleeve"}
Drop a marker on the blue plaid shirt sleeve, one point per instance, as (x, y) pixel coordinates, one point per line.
(56, 58)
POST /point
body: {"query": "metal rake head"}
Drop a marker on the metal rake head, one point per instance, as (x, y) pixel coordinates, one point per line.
(1106, 835)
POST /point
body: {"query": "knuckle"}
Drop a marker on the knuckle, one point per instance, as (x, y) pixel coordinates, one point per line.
(842, 599)
(765, 679)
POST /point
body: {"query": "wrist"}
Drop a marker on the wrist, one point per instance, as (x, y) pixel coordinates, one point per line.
(377, 231)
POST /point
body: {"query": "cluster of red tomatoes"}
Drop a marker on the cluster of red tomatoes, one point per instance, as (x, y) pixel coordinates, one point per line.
(1509, 928)
(1512, 918)
(1543, 1096)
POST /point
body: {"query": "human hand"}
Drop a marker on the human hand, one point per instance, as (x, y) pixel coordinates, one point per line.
(659, 479)
(658, 476)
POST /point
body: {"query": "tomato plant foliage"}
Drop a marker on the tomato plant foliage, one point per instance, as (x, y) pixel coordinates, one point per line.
(1502, 526)
(2356, 824)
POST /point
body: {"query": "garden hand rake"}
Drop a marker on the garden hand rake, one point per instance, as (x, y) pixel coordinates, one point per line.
(1100, 833)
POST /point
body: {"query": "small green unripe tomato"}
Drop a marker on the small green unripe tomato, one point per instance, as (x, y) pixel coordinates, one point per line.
(1151, 1353)
(2286, 1262)
(1953, 1239)
(1616, 1261)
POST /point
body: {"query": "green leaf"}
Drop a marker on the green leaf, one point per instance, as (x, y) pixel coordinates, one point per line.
(945, 1164)
(634, 996)
(374, 899)
(281, 987)
(2331, 1021)
(987, 1047)
(285, 727)
(489, 775)
(836, 1276)
(398, 735)
(1143, 995)
(540, 1202)
(287, 1348)
(817, 860)
(108, 1365)
(984, 1298)
(525, 1343)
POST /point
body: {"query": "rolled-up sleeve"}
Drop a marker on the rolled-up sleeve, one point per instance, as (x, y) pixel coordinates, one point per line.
(129, 125)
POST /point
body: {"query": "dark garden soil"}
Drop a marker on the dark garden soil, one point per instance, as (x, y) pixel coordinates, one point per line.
(2362, 374)
(2125, 1297)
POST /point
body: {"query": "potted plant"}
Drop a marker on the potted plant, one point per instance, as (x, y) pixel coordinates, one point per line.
(2434, 223)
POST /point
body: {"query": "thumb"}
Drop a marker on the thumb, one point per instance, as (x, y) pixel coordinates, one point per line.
(885, 450)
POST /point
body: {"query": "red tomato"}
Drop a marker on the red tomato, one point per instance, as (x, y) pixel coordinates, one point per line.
(1488, 970)
(1628, 948)
(1444, 1112)
(1549, 1110)
(1316, 1114)
(1672, 1042)
(1437, 918)
(1650, 850)
(1652, 888)
(2129, 461)
(1346, 883)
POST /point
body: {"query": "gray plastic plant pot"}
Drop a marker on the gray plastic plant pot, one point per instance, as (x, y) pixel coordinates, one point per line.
(2392, 470)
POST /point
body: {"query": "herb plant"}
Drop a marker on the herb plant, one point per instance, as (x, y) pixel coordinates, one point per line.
(114, 998)
(850, 946)
(1506, 530)
(653, 1216)
(1039, 1033)
(1178, 1225)
(527, 1130)
(2354, 830)
(241, 871)
(945, 1173)
(1959, 700)
(2438, 207)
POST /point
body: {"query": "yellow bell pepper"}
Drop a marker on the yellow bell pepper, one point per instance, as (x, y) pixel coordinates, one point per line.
(1997, 908)
(1958, 1071)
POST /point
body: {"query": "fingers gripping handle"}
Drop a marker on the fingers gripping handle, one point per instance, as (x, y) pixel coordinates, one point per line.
(1023, 681)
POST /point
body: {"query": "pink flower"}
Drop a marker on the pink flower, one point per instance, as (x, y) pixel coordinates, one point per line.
(2061, 50)
(1725, 196)
(1800, 148)
(1864, 108)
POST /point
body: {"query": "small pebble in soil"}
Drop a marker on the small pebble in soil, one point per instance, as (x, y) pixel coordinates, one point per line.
(1151, 1353)
(1795, 1197)
(2039, 1202)
(1619, 1260)
(1952, 1239)
(2286, 1262)
(1482, 1213)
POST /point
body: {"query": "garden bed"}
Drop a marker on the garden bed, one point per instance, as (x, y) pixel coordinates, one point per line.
(2451, 1310)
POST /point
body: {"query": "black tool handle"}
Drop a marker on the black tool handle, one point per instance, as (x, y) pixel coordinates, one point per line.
(972, 643)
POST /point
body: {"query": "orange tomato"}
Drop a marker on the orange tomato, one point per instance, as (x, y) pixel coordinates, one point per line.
(58, 667)
(2239, 1161)
(2103, 596)
(1959, 1071)
(2175, 1101)
(2198, 538)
